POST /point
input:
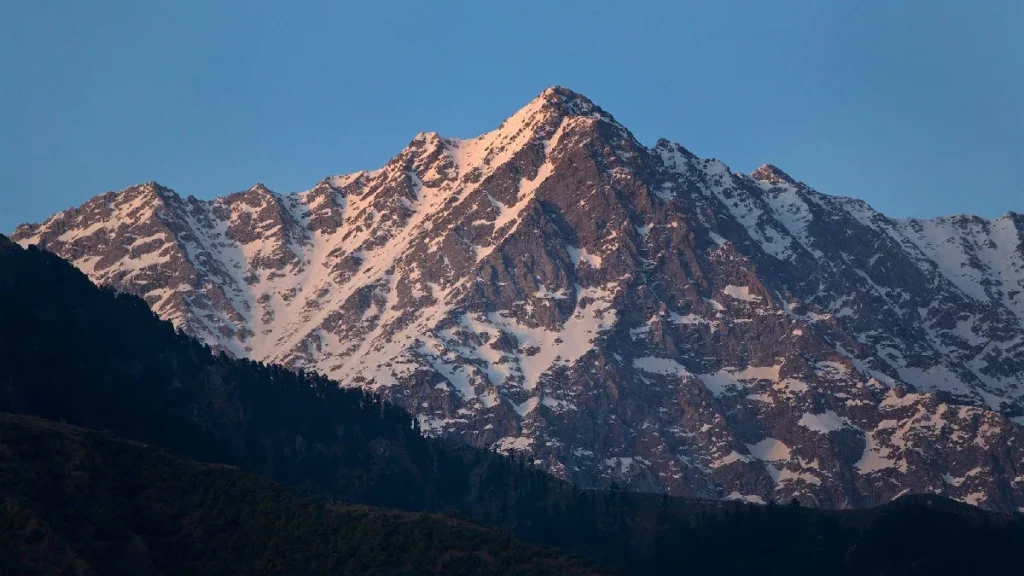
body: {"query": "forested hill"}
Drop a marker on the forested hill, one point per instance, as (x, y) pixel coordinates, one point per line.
(77, 501)
(76, 353)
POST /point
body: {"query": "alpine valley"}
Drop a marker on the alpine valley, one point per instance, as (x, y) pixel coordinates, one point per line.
(616, 313)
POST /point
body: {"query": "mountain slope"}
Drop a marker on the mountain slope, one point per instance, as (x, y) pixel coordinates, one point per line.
(80, 502)
(77, 353)
(611, 311)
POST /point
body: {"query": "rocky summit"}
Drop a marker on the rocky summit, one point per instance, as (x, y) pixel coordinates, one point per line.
(609, 311)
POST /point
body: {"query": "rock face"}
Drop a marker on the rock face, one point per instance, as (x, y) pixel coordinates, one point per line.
(612, 311)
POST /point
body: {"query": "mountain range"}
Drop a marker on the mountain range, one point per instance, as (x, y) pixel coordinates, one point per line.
(611, 312)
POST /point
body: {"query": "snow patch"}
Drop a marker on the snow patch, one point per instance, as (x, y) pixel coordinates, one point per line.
(741, 293)
(823, 423)
(729, 379)
(581, 255)
(769, 449)
(663, 366)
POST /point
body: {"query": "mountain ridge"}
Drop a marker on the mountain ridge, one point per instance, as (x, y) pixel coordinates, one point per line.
(615, 312)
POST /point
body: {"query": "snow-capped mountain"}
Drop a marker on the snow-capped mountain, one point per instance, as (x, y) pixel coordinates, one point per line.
(614, 312)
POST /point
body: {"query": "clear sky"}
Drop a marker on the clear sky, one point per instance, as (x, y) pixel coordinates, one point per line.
(916, 107)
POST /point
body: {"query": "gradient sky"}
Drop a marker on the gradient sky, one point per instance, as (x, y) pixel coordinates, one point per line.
(916, 107)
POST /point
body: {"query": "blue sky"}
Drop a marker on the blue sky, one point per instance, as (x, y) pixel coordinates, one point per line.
(916, 107)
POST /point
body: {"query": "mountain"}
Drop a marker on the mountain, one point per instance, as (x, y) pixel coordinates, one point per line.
(77, 501)
(77, 354)
(612, 312)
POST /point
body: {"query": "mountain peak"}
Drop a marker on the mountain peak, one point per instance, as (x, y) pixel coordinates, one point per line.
(539, 122)
(772, 174)
(557, 102)
(567, 102)
(563, 95)
(668, 145)
(152, 186)
(146, 192)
